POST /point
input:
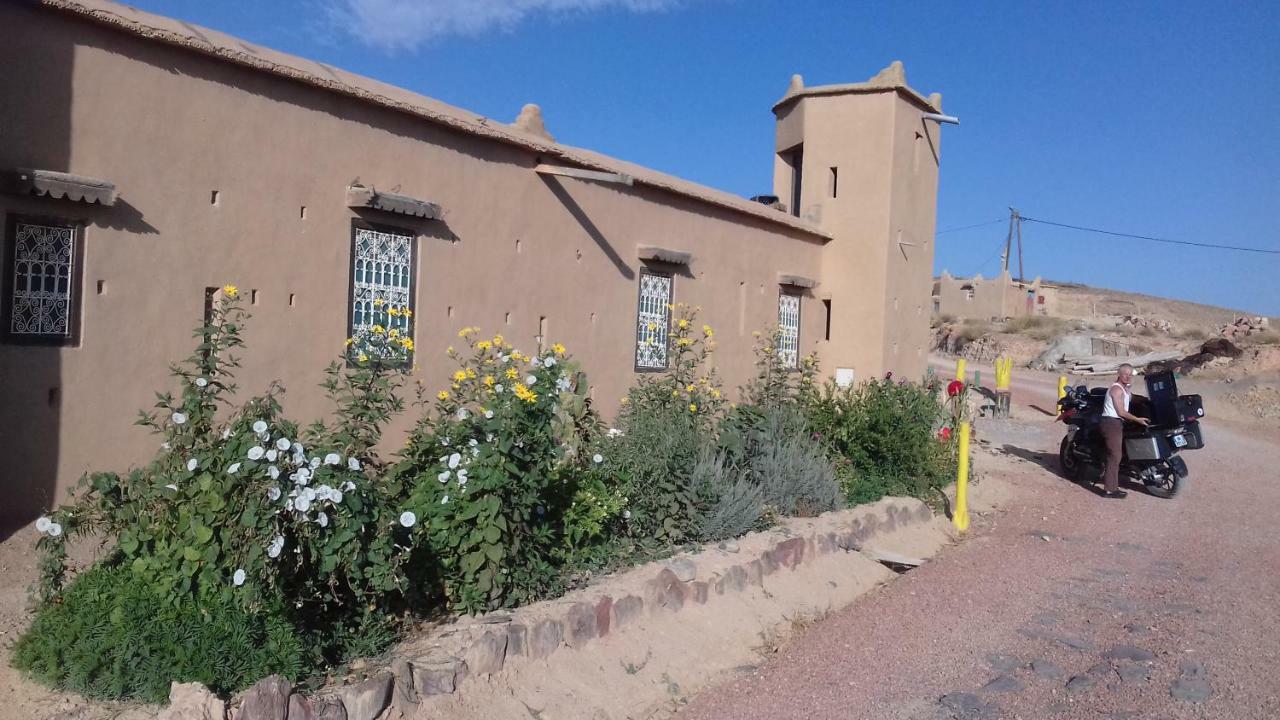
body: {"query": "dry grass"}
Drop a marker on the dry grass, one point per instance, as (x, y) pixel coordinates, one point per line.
(943, 319)
(1193, 333)
(1267, 337)
(971, 329)
(1038, 327)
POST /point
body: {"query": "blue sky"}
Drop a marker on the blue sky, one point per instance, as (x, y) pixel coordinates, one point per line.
(1152, 118)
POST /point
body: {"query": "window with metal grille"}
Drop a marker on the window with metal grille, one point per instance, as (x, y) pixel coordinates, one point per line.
(41, 302)
(382, 278)
(653, 320)
(789, 329)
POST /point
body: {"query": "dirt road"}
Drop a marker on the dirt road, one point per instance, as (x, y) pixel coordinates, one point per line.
(1063, 606)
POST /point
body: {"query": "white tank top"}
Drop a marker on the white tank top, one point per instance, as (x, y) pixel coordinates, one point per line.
(1109, 406)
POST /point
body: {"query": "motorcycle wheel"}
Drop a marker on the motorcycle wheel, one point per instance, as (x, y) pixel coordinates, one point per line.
(1163, 485)
(1068, 461)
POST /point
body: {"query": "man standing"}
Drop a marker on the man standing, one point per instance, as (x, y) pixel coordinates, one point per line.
(1115, 410)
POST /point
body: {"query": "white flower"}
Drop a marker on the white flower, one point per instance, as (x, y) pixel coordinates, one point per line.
(332, 459)
(506, 358)
(549, 362)
(462, 481)
(315, 462)
(178, 418)
(322, 520)
(454, 459)
(165, 445)
(288, 504)
(233, 468)
(43, 524)
(461, 414)
(272, 454)
(172, 487)
(226, 433)
(444, 500)
(192, 464)
(260, 426)
(473, 442)
(488, 414)
(408, 519)
(626, 514)
(563, 384)
(530, 380)
(335, 496)
(497, 388)
(445, 442)
(283, 444)
(201, 382)
(276, 546)
(256, 452)
(273, 493)
(475, 452)
(309, 494)
(301, 504)
(353, 464)
(535, 362)
(347, 486)
(443, 477)
(597, 458)
(297, 448)
(238, 577)
(273, 472)
(54, 529)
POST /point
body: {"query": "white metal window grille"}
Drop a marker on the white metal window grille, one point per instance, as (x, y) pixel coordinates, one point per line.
(381, 279)
(43, 261)
(653, 319)
(789, 329)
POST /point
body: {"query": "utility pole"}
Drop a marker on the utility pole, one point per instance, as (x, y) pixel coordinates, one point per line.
(1015, 231)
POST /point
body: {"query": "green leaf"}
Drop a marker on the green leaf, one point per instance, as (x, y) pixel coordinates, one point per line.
(492, 533)
(203, 534)
(472, 562)
(191, 554)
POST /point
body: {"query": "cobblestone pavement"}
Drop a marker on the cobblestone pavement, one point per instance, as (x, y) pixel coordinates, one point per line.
(1063, 605)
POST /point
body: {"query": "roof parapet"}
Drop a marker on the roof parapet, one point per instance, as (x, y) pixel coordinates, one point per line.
(892, 77)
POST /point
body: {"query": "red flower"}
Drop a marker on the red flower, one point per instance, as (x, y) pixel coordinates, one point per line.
(954, 388)
(944, 434)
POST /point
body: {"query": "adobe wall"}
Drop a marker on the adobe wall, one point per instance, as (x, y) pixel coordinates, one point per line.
(170, 127)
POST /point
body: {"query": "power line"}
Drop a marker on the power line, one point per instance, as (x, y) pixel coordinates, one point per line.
(970, 227)
(1265, 251)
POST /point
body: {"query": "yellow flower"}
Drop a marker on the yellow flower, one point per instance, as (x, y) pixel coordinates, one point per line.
(407, 344)
(363, 358)
(525, 393)
(690, 388)
(706, 330)
(408, 313)
(349, 342)
(675, 393)
(682, 342)
(684, 324)
(394, 312)
(558, 349)
(488, 381)
(471, 374)
(393, 333)
(456, 386)
(483, 345)
(377, 329)
(497, 341)
(464, 332)
(379, 302)
(652, 326)
(230, 290)
(755, 333)
(715, 393)
(512, 374)
(460, 376)
(448, 350)
(624, 400)
(443, 394)
(693, 408)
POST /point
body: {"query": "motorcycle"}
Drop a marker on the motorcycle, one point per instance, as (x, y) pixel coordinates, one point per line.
(1150, 454)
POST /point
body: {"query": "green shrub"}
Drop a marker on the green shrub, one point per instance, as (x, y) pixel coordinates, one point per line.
(493, 470)
(112, 635)
(791, 469)
(882, 437)
(728, 502)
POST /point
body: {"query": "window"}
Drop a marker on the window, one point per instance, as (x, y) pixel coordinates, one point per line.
(835, 181)
(653, 320)
(41, 304)
(797, 176)
(382, 264)
(968, 291)
(826, 305)
(789, 329)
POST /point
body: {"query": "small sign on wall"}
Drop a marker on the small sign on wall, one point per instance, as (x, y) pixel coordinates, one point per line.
(844, 377)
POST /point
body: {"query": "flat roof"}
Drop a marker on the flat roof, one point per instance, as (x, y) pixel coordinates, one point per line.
(891, 79)
(230, 49)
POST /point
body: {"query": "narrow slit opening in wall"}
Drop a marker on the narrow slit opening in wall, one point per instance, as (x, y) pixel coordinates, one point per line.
(292, 299)
(214, 197)
(593, 318)
(835, 181)
(517, 246)
(742, 308)
(253, 297)
(826, 306)
(102, 287)
(302, 213)
(542, 333)
(508, 319)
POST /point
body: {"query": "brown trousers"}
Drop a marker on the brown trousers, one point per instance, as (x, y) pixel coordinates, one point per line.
(1113, 433)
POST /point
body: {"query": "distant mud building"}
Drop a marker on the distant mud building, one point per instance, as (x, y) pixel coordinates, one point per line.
(999, 298)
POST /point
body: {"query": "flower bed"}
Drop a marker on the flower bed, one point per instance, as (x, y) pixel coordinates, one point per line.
(248, 530)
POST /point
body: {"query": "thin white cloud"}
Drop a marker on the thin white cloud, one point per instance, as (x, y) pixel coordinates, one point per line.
(406, 24)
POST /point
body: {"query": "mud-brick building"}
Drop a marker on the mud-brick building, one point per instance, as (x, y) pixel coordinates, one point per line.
(997, 298)
(147, 161)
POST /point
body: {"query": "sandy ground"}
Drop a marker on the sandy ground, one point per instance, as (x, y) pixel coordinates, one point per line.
(1019, 621)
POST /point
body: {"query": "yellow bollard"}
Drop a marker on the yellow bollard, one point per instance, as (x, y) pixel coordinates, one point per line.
(960, 369)
(1062, 386)
(961, 515)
